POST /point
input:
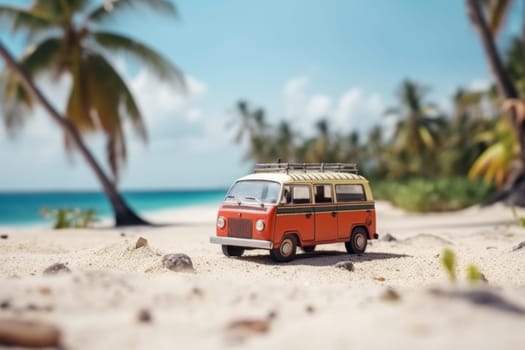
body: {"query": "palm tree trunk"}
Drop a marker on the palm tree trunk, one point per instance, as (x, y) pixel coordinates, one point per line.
(503, 82)
(124, 215)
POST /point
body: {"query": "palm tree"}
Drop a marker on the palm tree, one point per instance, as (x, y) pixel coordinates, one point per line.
(323, 147)
(504, 83)
(284, 144)
(67, 37)
(495, 163)
(252, 125)
(415, 135)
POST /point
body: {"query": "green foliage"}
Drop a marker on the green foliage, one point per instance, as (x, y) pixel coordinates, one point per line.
(448, 259)
(520, 220)
(70, 218)
(427, 194)
(473, 274)
(449, 262)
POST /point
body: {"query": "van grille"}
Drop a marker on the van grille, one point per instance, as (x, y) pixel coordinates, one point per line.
(240, 228)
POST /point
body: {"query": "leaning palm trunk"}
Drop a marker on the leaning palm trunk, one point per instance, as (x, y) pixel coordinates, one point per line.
(124, 215)
(514, 190)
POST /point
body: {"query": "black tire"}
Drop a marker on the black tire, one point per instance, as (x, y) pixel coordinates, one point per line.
(231, 250)
(358, 241)
(308, 248)
(286, 251)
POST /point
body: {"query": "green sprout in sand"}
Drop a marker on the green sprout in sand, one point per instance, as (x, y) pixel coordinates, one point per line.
(448, 259)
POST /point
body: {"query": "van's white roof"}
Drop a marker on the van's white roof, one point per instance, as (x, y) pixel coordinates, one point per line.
(301, 176)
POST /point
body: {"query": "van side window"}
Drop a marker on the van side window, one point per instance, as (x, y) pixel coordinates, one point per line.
(323, 193)
(287, 195)
(349, 193)
(301, 194)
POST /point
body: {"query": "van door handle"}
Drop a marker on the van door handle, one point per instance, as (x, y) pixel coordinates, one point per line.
(308, 215)
(334, 214)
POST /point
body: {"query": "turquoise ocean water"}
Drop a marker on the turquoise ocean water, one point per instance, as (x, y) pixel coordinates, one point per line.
(23, 208)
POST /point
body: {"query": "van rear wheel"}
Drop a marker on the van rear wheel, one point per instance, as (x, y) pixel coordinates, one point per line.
(358, 241)
(286, 251)
(230, 250)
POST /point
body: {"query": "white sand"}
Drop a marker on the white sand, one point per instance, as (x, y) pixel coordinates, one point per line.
(314, 305)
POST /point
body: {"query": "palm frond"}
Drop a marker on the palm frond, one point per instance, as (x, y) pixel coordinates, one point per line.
(497, 15)
(41, 56)
(59, 8)
(23, 20)
(121, 95)
(164, 69)
(15, 102)
(110, 8)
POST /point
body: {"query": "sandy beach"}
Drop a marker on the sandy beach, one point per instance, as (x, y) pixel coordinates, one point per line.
(117, 296)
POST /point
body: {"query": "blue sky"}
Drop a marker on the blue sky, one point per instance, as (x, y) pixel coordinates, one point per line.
(298, 59)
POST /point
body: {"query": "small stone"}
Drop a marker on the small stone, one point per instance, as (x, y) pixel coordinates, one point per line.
(379, 278)
(390, 295)
(197, 292)
(144, 316)
(178, 262)
(4, 236)
(483, 278)
(250, 326)
(122, 234)
(521, 245)
(388, 238)
(29, 334)
(141, 242)
(5, 304)
(310, 309)
(44, 290)
(57, 268)
(272, 314)
(32, 307)
(347, 265)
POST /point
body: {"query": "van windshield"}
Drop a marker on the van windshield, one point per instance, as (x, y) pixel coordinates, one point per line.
(258, 191)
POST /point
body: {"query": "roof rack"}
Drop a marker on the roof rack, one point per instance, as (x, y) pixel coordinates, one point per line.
(305, 167)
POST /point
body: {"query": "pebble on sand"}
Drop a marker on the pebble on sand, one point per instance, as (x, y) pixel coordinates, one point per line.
(29, 334)
(388, 238)
(521, 245)
(144, 316)
(57, 268)
(141, 242)
(390, 295)
(178, 262)
(347, 265)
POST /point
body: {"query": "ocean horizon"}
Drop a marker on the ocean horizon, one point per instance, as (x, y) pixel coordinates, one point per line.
(22, 208)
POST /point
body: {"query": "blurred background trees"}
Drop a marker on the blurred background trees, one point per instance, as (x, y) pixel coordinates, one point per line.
(434, 159)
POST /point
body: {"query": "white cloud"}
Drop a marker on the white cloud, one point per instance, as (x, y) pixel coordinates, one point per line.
(295, 96)
(354, 109)
(295, 86)
(358, 110)
(318, 106)
(479, 84)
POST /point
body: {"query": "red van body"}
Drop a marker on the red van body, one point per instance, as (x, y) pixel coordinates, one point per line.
(282, 206)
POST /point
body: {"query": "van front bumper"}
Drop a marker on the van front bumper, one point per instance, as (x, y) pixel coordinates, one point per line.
(242, 242)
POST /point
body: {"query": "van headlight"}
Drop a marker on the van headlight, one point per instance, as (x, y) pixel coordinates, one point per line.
(221, 222)
(259, 225)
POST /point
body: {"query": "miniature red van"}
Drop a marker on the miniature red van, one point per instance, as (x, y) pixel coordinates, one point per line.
(282, 206)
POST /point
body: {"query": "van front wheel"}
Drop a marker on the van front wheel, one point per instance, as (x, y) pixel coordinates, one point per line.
(230, 250)
(357, 242)
(286, 251)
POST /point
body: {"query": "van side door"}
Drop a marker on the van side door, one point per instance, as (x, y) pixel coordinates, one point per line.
(295, 213)
(325, 213)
